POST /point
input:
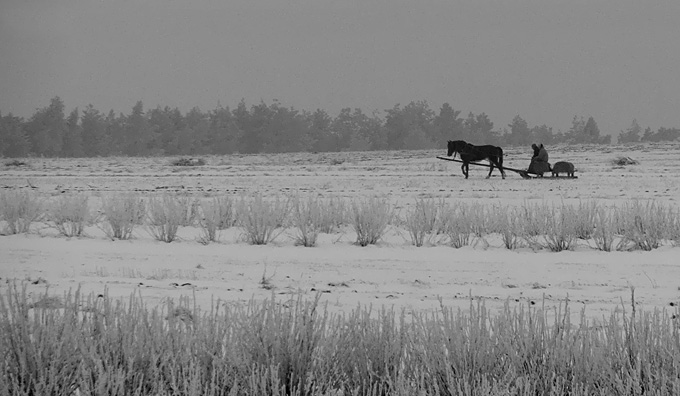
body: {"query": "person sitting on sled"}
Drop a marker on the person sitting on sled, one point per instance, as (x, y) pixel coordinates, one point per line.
(539, 162)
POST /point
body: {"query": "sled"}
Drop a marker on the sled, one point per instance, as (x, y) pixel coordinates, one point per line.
(524, 173)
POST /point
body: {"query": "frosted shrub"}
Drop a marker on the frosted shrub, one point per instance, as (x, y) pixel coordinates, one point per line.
(644, 225)
(560, 231)
(307, 219)
(262, 220)
(674, 231)
(506, 224)
(215, 214)
(370, 218)
(121, 214)
(224, 208)
(113, 346)
(478, 217)
(604, 232)
(166, 215)
(585, 219)
(190, 208)
(531, 222)
(421, 220)
(209, 221)
(19, 209)
(333, 214)
(456, 224)
(70, 214)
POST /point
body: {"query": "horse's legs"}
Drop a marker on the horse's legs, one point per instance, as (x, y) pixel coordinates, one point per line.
(491, 163)
(465, 168)
(499, 164)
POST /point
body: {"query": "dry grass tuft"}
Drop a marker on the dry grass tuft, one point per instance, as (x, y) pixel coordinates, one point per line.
(624, 161)
(188, 162)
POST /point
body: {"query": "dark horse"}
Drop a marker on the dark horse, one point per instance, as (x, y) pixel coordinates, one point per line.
(471, 153)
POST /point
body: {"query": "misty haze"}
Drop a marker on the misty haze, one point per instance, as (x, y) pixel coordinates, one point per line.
(334, 198)
(482, 70)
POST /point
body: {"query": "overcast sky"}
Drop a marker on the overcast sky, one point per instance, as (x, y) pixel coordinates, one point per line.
(543, 60)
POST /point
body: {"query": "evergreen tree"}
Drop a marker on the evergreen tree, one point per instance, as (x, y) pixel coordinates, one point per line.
(93, 126)
(648, 135)
(194, 137)
(520, 134)
(46, 129)
(416, 119)
(224, 134)
(321, 137)
(167, 123)
(254, 124)
(632, 134)
(667, 134)
(447, 126)
(287, 130)
(363, 133)
(115, 133)
(480, 129)
(13, 139)
(542, 135)
(576, 132)
(376, 132)
(73, 143)
(343, 127)
(138, 133)
(591, 132)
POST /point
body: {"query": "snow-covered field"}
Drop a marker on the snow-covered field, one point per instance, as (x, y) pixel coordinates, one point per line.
(391, 274)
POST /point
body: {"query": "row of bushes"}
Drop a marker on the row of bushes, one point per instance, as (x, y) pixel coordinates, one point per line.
(87, 345)
(634, 225)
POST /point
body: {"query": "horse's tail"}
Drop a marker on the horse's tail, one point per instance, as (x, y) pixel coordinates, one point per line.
(500, 158)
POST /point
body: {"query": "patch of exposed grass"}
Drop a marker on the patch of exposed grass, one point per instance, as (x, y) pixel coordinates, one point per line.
(624, 161)
(188, 162)
(15, 163)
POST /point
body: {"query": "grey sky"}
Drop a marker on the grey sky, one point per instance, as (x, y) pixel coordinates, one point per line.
(544, 60)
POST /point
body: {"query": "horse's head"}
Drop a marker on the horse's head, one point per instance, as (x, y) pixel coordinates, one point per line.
(455, 146)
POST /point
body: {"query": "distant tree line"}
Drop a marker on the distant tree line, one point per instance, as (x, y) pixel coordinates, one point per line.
(274, 128)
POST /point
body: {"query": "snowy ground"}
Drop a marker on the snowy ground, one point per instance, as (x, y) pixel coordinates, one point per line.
(391, 274)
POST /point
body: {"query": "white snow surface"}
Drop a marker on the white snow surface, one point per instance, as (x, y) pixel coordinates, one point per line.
(391, 274)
